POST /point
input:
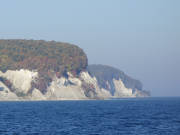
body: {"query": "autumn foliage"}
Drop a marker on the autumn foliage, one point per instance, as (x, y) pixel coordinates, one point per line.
(49, 58)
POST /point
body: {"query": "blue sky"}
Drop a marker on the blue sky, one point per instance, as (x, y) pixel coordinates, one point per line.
(140, 37)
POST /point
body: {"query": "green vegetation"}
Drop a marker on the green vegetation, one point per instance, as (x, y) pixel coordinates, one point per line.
(48, 58)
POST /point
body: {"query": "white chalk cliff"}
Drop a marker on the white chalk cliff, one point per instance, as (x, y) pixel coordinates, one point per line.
(82, 87)
(50, 70)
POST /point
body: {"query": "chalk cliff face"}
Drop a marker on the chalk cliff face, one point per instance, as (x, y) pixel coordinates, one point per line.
(82, 87)
(117, 82)
(6, 94)
(21, 79)
(41, 70)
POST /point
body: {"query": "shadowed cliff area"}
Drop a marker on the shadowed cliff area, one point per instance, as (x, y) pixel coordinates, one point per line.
(106, 74)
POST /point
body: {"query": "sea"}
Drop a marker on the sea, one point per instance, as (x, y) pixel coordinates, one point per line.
(137, 116)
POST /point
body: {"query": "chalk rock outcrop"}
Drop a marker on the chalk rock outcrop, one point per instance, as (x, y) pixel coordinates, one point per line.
(117, 82)
(6, 94)
(21, 79)
(82, 87)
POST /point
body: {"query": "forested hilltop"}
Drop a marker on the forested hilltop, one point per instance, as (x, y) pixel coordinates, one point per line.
(45, 57)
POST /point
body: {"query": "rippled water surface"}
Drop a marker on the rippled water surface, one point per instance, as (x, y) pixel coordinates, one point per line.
(151, 116)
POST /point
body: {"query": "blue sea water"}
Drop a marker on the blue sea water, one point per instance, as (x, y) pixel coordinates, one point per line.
(148, 116)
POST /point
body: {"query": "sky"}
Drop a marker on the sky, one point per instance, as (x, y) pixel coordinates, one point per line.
(139, 37)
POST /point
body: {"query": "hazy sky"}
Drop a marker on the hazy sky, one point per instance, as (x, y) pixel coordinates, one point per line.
(140, 37)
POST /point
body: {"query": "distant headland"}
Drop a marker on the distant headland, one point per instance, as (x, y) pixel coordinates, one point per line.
(49, 70)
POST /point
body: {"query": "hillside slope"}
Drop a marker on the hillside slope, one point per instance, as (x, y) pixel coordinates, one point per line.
(106, 77)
